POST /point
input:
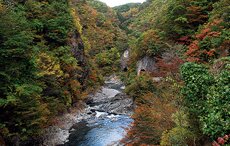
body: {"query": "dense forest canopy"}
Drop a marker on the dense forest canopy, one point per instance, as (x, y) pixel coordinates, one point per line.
(189, 40)
(54, 53)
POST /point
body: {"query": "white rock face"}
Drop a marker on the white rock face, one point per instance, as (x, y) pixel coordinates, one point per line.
(146, 64)
(126, 54)
(125, 59)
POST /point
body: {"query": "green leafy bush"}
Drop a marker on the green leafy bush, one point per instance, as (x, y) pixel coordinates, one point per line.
(216, 120)
(197, 82)
(207, 97)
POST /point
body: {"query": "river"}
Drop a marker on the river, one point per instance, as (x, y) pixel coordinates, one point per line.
(108, 116)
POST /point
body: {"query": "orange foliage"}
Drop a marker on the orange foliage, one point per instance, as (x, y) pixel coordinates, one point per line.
(210, 53)
(185, 40)
(194, 51)
(203, 33)
(193, 59)
(152, 117)
(170, 67)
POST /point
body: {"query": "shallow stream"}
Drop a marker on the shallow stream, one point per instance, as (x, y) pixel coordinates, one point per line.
(108, 118)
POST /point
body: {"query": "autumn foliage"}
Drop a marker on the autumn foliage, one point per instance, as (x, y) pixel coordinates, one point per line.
(151, 119)
(208, 43)
(152, 115)
(196, 31)
(168, 65)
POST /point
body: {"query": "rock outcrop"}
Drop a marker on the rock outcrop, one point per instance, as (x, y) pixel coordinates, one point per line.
(124, 60)
(78, 50)
(146, 64)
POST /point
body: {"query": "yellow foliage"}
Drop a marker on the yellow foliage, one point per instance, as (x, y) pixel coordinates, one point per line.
(87, 45)
(76, 20)
(48, 65)
(177, 136)
(2, 7)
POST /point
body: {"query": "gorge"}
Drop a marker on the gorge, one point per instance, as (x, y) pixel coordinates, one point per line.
(77, 72)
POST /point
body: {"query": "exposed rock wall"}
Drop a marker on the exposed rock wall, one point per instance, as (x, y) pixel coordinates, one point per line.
(78, 50)
(124, 60)
(146, 64)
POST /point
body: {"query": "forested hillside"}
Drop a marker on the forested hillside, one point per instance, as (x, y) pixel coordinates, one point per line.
(55, 53)
(180, 50)
(50, 55)
(101, 28)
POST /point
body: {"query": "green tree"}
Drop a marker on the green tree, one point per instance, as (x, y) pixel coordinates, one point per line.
(216, 120)
(22, 111)
(197, 82)
(207, 98)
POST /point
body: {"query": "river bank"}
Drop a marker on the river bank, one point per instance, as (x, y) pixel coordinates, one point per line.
(99, 121)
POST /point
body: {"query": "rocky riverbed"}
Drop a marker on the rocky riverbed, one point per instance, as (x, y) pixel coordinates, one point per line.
(101, 122)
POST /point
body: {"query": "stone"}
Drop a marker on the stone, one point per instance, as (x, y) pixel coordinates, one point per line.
(146, 64)
(124, 60)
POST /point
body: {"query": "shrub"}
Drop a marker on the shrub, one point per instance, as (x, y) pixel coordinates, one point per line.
(140, 86)
(151, 119)
(178, 136)
(216, 120)
(197, 81)
(181, 134)
(207, 98)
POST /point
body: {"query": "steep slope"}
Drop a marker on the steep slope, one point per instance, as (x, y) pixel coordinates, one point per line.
(100, 26)
(176, 18)
(180, 50)
(53, 53)
(50, 52)
(125, 13)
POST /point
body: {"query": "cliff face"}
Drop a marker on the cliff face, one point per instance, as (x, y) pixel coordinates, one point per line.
(146, 64)
(124, 60)
(78, 51)
(77, 48)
